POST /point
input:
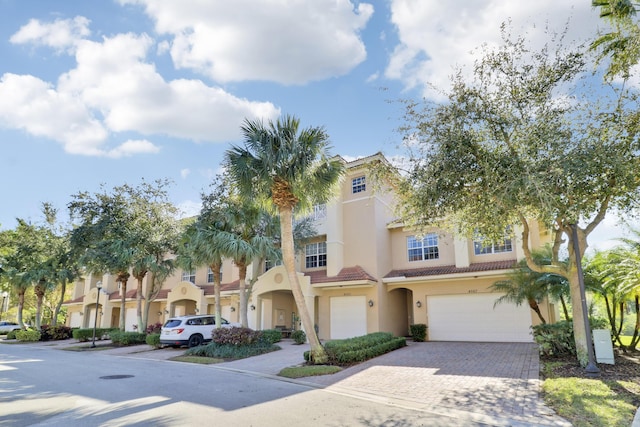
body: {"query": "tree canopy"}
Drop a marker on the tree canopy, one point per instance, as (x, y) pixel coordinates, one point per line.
(525, 140)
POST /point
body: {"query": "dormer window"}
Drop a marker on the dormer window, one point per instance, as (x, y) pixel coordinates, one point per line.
(358, 184)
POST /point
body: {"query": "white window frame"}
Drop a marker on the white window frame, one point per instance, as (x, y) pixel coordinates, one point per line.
(189, 276)
(504, 246)
(210, 275)
(315, 255)
(424, 249)
(358, 184)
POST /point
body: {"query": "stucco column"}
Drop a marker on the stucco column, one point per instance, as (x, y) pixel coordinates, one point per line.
(461, 251)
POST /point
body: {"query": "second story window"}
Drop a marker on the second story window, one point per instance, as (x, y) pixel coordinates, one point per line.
(482, 248)
(189, 276)
(358, 185)
(423, 249)
(269, 264)
(315, 255)
(210, 275)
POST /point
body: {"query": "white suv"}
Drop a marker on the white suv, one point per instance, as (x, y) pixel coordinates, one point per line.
(190, 330)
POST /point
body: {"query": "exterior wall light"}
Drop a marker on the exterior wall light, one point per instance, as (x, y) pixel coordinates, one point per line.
(233, 309)
(252, 307)
(370, 303)
(418, 304)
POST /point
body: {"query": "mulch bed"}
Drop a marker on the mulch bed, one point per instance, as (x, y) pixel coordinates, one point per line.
(626, 367)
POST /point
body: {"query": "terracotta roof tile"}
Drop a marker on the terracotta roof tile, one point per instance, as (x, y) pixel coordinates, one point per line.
(347, 274)
(72, 301)
(452, 269)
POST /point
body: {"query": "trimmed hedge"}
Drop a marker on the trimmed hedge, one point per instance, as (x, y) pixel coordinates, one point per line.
(272, 335)
(58, 332)
(119, 338)
(355, 350)
(236, 336)
(418, 332)
(153, 340)
(86, 334)
(28, 335)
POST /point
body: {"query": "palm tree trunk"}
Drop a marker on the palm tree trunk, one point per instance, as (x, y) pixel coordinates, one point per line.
(39, 291)
(21, 292)
(141, 325)
(317, 354)
(56, 310)
(215, 269)
(636, 329)
(123, 299)
(242, 271)
(534, 306)
(564, 308)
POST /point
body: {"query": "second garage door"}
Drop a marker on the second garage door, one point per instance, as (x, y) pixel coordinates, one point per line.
(472, 317)
(348, 317)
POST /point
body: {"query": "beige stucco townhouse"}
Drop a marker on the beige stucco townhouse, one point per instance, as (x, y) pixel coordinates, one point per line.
(363, 273)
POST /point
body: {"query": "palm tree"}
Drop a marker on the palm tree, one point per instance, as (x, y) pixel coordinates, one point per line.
(524, 284)
(607, 276)
(286, 168)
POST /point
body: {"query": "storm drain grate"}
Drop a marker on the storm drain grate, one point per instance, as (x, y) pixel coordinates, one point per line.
(115, 377)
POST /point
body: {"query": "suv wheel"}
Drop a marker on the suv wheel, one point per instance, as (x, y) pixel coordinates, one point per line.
(195, 340)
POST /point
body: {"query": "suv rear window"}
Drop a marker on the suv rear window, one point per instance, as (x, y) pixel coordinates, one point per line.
(172, 323)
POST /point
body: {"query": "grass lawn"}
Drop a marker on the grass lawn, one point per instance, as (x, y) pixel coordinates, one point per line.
(611, 399)
(308, 371)
(197, 359)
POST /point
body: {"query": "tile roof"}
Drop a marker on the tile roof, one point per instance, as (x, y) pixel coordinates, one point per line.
(452, 269)
(208, 289)
(347, 274)
(72, 301)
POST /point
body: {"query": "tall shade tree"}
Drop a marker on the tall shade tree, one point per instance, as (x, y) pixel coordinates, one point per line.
(123, 231)
(286, 168)
(517, 142)
(621, 46)
(23, 254)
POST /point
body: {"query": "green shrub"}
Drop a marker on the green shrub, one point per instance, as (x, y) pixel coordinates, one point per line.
(272, 335)
(418, 332)
(235, 336)
(57, 332)
(231, 351)
(555, 339)
(28, 335)
(86, 334)
(299, 337)
(153, 340)
(11, 335)
(354, 350)
(122, 339)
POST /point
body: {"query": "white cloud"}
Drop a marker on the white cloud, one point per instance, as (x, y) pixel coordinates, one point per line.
(132, 147)
(290, 42)
(32, 105)
(61, 35)
(113, 89)
(436, 37)
(184, 173)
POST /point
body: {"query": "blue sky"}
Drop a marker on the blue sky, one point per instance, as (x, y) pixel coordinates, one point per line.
(111, 92)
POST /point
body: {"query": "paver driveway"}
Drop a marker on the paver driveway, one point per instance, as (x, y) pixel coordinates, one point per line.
(500, 380)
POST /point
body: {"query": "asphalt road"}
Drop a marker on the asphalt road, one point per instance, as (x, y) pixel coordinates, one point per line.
(42, 386)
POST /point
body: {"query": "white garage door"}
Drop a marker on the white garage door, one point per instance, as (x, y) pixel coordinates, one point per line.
(472, 317)
(348, 317)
